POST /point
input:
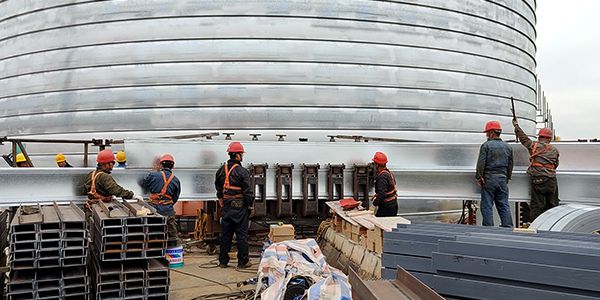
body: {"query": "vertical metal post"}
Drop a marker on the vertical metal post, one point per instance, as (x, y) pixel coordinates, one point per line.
(86, 152)
(14, 154)
(361, 181)
(310, 189)
(335, 182)
(284, 190)
(258, 180)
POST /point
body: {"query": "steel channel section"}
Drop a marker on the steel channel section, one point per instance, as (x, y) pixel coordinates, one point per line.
(420, 67)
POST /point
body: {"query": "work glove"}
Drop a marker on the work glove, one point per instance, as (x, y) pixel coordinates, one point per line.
(138, 197)
(515, 122)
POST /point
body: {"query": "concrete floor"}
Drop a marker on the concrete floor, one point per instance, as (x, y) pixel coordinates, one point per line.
(203, 274)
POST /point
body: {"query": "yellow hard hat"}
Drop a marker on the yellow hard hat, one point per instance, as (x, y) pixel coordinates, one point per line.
(121, 157)
(60, 158)
(21, 158)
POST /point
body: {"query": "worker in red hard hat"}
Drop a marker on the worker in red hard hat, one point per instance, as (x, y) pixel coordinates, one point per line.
(494, 170)
(542, 170)
(164, 189)
(385, 188)
(236, 198)
(101, 186)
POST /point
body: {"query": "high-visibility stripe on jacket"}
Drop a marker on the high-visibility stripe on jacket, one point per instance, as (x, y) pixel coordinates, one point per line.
(228, 187)
(537, 156)
(391, 195)
(93, 194)
(163, 198)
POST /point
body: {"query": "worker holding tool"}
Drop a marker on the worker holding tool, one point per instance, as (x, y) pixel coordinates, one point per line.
(22, 161)
(236, 199)
(99, 184)
(164, 189)
(385, 188)
(494, 170)
(542, 170)
(121, 159)
(61, 161)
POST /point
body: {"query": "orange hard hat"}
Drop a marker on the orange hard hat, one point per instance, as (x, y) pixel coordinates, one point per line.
(380, 158)
(492, 125)
(167, 157)
(105, 156)
(545, 132)
(235, 147)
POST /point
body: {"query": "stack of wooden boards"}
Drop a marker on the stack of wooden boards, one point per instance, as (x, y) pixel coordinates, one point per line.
(362, 227)
(474, 262)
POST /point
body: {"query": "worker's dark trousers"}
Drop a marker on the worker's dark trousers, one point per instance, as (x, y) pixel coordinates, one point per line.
(169, 212)
(544, 195)
(234, 220)
(495, 191)
(387, 209)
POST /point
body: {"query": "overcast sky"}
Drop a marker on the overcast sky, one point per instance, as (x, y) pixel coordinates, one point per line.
(568, 60)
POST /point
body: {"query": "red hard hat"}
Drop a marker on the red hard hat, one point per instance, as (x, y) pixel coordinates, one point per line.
(235, 147)
(545, 132)
(380, 158)
(105, 156)
(492, 125)
(167, 157)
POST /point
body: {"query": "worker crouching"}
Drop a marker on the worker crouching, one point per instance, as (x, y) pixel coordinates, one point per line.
(494, 170)
(101, 186)
(386, 199)
(165, 189)
(236, 198)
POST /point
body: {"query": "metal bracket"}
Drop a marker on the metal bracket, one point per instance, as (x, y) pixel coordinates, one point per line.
(283, 182)
(335, 182)
(362, 178)
(258, 180)
(310, 189)
(255, 136)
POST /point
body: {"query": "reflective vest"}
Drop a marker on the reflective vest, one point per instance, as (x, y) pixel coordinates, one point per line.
(228, 187)
(93, 195)
(535, 153)
(163, 198)
(391, 195)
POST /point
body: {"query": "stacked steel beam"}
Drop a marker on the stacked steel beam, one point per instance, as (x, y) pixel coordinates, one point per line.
(48, 246)
(3, 245)
(461, 261)
(128, 247)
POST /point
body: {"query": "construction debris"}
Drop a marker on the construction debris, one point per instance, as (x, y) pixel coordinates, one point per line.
(281, 232)
(49, 251)
(474, 262)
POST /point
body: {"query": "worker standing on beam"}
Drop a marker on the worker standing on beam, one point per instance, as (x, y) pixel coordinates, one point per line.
(494, 170)
(121, 159)
(61, 161)
(164, 189)
(22, 161)
(99, 184)
(236, 199)
(542, 170)
(386, 199)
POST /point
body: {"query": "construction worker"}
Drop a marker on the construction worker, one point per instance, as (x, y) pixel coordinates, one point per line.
(22, 161)
(494, 170)
(385, 188)
(61, 161)
(121, 159)
(164, 189)
(542, 170)
(236, 199)
(99, 184)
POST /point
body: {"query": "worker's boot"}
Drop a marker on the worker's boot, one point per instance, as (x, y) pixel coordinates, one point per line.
(245, 266)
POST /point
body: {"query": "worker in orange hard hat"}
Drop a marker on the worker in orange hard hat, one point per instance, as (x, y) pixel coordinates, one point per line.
(542, 170)
(386, 200)
(236, 197)
(22, 161)
(494, 170)
(164, 189)
(61, 161)
(101, 186)
(121, 159)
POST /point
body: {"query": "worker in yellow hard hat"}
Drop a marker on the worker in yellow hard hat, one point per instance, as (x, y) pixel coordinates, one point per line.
(61, 161)
(22, 161)
(121, 160)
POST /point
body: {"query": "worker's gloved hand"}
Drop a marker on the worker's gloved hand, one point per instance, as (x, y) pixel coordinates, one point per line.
(515, 122)
(138, 197)
(251, 210)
